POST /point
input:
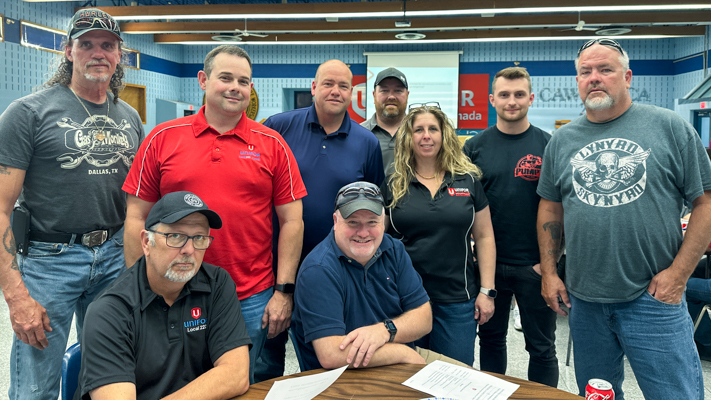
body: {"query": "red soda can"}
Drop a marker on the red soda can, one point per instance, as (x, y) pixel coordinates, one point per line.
(599, 389)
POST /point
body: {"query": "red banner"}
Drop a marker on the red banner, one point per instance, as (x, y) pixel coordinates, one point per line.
(357, 108)
(473, 101)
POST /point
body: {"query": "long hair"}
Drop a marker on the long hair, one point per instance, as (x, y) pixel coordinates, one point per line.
(65, 69)
(450, 158)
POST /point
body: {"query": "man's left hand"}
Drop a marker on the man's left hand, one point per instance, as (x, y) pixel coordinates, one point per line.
(668, 286)
(365, 341)
(277, 314)
(483, 308)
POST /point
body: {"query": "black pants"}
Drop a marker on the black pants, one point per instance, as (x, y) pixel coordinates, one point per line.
(538, 321)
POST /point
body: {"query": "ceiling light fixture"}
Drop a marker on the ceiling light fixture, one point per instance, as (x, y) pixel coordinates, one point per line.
(410, 36)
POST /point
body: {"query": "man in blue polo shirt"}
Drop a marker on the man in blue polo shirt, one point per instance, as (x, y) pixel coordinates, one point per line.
(331, 150)
(370, 304)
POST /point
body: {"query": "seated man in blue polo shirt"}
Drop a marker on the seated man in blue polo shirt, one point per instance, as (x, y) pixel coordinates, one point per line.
(171, 326)
(358, 300)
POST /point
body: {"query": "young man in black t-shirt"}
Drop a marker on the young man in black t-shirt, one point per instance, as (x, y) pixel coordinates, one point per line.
(509, 155)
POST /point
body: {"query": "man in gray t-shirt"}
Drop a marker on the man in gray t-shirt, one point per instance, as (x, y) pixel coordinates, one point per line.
(618, 177)
(64, 154)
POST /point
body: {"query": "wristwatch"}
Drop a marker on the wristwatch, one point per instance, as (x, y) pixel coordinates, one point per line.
(285, 287)
(489, 292)
(391, 328)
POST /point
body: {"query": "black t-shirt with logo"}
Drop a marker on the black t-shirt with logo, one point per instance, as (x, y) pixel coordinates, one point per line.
(511, 165)
(436, 233)
(132, 335)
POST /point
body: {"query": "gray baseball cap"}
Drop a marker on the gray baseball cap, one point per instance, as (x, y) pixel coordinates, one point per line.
(359, 196)
(391, 72)
(92, 19)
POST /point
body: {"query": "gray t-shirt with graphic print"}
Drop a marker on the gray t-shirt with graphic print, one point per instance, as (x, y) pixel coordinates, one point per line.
(74, 170)
(622, 184)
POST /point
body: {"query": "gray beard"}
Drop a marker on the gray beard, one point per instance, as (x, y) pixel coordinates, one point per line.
(102, 78)
(599, 104)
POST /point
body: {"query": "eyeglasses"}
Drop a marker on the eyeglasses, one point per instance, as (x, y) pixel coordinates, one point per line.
(352, 193)
(605, 42)
(105, 23)
(433, 104)
(178, 240)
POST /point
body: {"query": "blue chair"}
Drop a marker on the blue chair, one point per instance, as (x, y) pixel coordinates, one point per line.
(71, 364)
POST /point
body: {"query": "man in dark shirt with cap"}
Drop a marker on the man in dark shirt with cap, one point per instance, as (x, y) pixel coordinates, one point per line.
(390, 97)
(171, 326)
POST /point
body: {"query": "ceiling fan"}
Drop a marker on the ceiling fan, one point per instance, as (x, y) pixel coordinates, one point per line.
(237, 36)
(581, 26)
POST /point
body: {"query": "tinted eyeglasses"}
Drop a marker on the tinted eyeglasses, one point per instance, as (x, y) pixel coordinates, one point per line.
(605, 42)
(347, 195)
(105, 22)
(433, 104)
(178, 240)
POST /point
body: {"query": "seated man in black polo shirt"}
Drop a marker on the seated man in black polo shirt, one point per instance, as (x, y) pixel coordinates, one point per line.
(171, 326)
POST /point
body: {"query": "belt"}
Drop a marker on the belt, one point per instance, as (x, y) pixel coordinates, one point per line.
(89, 239)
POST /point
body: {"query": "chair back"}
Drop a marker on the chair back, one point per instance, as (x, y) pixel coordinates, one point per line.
(71, 364)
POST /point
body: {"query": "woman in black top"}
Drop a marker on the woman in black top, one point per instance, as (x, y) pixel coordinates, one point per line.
(435, 204)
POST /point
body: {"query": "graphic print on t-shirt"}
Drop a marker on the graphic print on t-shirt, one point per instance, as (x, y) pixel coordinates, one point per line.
(528, 167)
(610, 172)
(100, 146)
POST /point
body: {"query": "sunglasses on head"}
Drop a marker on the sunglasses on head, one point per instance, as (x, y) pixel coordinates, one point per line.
(347, 195)
(605, 42)
(433, 104)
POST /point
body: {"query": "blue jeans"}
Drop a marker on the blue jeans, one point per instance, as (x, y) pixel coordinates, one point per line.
(656, 337)
(538, 322)
(252, 312)
(64, 279)
(453, 331)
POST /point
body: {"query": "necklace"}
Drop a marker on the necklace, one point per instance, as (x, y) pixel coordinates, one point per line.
(427, 177)
(100, 135)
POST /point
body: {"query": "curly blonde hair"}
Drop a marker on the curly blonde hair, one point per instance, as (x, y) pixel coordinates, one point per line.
(450, 158)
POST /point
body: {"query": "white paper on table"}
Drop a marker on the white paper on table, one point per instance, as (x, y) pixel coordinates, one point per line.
(442, 379)
(304, 387)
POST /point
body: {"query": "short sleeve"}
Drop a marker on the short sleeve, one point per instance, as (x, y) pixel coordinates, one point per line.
(480, 200)
(228, 330)
(387, 194)
(321, 309)
(546, 182)
(374, 171)
(143, 180)
(17, 125)
(287, 183)
(470, 149)
(409, 284)
(696, 164)
(107, 350)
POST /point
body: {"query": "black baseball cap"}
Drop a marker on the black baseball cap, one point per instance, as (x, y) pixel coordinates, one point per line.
(177, 205)
(92, 19)
(359, 196)
(391, 72)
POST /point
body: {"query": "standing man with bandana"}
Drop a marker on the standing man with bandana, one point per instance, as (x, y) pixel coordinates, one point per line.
(64, 153)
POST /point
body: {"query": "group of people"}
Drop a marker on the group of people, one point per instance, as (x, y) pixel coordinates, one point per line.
(187, 241)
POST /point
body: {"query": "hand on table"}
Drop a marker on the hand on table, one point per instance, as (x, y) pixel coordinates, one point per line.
(364, 342)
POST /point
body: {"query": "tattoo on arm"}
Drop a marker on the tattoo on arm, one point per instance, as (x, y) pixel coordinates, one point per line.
(3, 170)
(8, 241)
(555, 228)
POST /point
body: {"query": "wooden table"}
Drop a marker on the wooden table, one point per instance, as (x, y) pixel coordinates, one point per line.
(386, 383)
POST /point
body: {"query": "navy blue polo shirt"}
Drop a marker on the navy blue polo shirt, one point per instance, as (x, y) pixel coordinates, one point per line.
(436, 233)
(132, 335)
(336, 295)
(327, 163)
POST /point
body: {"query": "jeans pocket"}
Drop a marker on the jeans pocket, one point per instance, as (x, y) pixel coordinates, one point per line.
(45, 249)
(654, 299)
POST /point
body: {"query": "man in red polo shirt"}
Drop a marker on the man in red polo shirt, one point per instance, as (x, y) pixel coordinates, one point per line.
(243, 170)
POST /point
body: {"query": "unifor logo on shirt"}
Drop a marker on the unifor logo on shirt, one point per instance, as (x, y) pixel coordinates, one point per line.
(458, 191)
(197, 323)
(610, 172)
(100, 147)
(528, 167)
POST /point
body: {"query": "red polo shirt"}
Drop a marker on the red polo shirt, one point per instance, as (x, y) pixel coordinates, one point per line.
(240, 174)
